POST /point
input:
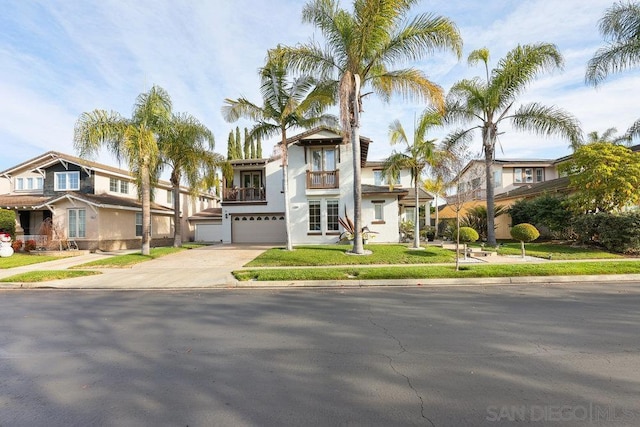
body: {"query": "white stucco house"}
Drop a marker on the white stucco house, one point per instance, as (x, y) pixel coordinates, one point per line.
(320, 191)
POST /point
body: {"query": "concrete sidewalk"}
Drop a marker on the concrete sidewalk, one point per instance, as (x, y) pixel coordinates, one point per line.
(211, 267)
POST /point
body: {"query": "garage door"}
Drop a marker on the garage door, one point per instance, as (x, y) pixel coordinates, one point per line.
(209, 232)
(262, 228)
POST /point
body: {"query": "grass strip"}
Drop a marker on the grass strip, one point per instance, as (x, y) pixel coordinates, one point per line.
(19, 260)
(438, 272)
(336, 255)
(46, 275)
(556, 251)
(128, 260)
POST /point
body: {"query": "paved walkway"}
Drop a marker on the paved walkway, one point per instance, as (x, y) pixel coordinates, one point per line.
(211, 267)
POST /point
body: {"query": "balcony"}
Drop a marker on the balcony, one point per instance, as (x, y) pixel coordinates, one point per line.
(323, 179)
(244, 195)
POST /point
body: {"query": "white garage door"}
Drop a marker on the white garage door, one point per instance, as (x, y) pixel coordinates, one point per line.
(209, 232)
(258, 228)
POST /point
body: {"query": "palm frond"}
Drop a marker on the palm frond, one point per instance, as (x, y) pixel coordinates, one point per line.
(519, 68)
(548, 121)
(410, 83)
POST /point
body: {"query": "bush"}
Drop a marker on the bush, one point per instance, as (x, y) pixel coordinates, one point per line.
(16, 245)
(549, 213)
(468, 235)
(524, 232)
(8, 222)
(620, 232)
(30, 245)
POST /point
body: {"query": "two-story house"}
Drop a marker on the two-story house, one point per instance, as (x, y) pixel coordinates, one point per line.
(320, 191)
(93, 204)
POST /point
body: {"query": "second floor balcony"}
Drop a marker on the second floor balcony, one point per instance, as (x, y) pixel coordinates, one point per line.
(244, 194)
(323, 179)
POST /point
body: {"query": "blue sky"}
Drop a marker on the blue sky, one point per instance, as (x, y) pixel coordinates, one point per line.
(61, 58)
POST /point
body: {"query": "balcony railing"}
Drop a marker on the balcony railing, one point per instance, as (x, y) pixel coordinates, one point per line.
(323, 179)
(242, 194)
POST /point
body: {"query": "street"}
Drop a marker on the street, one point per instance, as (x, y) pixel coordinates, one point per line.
(442, 356)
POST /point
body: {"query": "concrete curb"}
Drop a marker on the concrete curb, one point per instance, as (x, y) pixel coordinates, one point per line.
(339, 284)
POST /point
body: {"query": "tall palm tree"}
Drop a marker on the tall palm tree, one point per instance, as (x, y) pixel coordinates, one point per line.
(620, 27)
(132, 140)
(490, 101)
(186, 148)
(360, 49)
(608, 136)
(286, 103)
(419, 153)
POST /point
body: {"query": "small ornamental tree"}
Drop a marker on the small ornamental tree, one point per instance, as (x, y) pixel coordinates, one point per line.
(467, 235)
(524, 233)
(8, 222)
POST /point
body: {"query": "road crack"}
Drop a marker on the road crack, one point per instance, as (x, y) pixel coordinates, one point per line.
(403, 349)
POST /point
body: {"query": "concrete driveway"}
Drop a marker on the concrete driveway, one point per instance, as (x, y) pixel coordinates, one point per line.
(207, 266)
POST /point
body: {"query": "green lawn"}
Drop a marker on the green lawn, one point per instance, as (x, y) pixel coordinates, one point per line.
(21, 259)
(557, 251)
(125, 261)
(46, 275)
(432, 272)
(336, 255)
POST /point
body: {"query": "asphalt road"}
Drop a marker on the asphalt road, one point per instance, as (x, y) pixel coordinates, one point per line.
(501, 355)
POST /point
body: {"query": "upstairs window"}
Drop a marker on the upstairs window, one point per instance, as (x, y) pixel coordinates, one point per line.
(323, 159)
(170, 196)
(380, 179)
(67, 181)
(113, 185)
(19, 184)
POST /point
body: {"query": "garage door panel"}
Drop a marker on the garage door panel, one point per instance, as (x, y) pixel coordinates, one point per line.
(208, 232)
(258, 228)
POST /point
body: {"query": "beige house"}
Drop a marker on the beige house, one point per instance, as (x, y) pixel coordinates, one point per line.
(90, 205)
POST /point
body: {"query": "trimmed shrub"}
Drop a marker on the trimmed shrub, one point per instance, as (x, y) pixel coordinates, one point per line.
(30, 245)
(524, 233)
(8, 222)
(468, 235)
(16, 245)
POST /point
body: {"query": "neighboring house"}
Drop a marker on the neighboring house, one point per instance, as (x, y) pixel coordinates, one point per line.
(515, 179)
(93, 204)
(508, 174)
(320, 191)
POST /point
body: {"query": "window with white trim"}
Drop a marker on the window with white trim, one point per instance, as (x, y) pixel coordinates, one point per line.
(139, 224)
(67, 181)
(77, 223)
(124, 187)
(378, 211)
(170, 196)
(113, 185)
(380, 179)
(314, 215)
(19, 184)
(539, 174)
(332, 215)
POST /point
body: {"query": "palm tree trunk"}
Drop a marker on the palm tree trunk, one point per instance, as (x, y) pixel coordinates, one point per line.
(435, 233)
(489, 135)
(146, 210)
(177, 223)
(358, 246)
(285, 188)
(416, 217)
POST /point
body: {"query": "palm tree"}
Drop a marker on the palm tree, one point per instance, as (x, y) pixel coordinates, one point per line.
(132, 140)
(186, 148)
(608, 136)
(436, 186)
(299, 102)
(419, 154)
(360, 47)
(620, 27)
(490, 102)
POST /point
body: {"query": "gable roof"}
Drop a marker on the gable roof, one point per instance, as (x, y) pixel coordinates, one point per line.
(52, 157)
(20, 201)
(327, 135)
(558, 185)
